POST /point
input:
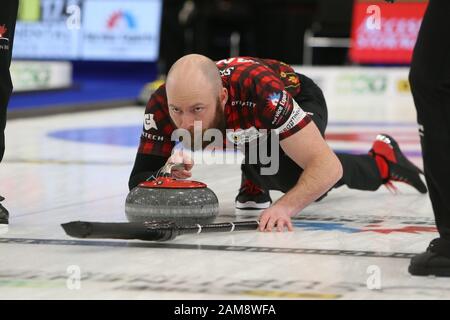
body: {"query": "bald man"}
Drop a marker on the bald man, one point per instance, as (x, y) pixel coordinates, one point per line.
(257, 98)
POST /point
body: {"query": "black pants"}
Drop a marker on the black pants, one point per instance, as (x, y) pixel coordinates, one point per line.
(360, 171)
(430, 84)
(8, 16)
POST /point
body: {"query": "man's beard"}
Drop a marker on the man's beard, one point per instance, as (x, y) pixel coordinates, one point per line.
(218, 123)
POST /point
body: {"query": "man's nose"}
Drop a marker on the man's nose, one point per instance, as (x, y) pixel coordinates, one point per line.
(187, 122)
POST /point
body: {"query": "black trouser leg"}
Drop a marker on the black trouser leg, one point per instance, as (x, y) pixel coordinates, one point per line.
(8, 16)
(430, 84)
(360, 171)
(285, 178)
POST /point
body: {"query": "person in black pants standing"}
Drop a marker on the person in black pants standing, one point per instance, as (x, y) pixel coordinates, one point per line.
(430, 83)
(8, 17)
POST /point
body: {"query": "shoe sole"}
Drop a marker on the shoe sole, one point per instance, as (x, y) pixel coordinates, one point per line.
(4, 228)
(251, 208)
(254, 213)
(437, 272)
(252, 205)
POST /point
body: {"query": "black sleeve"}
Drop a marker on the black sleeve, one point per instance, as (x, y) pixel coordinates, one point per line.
(144, 167)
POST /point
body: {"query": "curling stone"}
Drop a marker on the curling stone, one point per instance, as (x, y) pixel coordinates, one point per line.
(167, 199)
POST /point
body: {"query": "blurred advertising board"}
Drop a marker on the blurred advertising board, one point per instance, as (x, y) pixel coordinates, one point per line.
(110, 30)
(384, 32)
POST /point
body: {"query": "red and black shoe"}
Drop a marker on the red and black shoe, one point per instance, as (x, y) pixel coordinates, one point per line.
(393, 164)
(252, 197)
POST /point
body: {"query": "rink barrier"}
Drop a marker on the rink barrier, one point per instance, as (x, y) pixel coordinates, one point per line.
(359, 81)
(41, 75)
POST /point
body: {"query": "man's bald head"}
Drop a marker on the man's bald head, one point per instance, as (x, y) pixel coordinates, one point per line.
(195, 72)
(195, 93)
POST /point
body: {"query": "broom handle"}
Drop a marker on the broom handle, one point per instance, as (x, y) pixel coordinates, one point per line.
(148, 231)
(219, 227)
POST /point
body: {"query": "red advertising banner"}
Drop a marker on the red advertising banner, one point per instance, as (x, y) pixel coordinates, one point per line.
(384, 32)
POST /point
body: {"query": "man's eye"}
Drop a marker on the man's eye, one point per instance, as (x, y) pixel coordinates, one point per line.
(175, 110)
(198, 109)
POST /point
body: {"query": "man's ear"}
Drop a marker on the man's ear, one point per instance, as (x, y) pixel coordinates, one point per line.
(223, 96)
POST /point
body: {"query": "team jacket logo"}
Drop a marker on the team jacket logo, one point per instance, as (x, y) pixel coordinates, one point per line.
(243, 103)
(292, 79)
(153, 137)
(240, 137)
(3, 30)
(295, 117)
(274, 98)
(235, 59)
(226, 72)
(149, 123)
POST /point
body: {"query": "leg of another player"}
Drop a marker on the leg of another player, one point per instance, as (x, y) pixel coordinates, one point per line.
(8, 16)
(430, 84)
